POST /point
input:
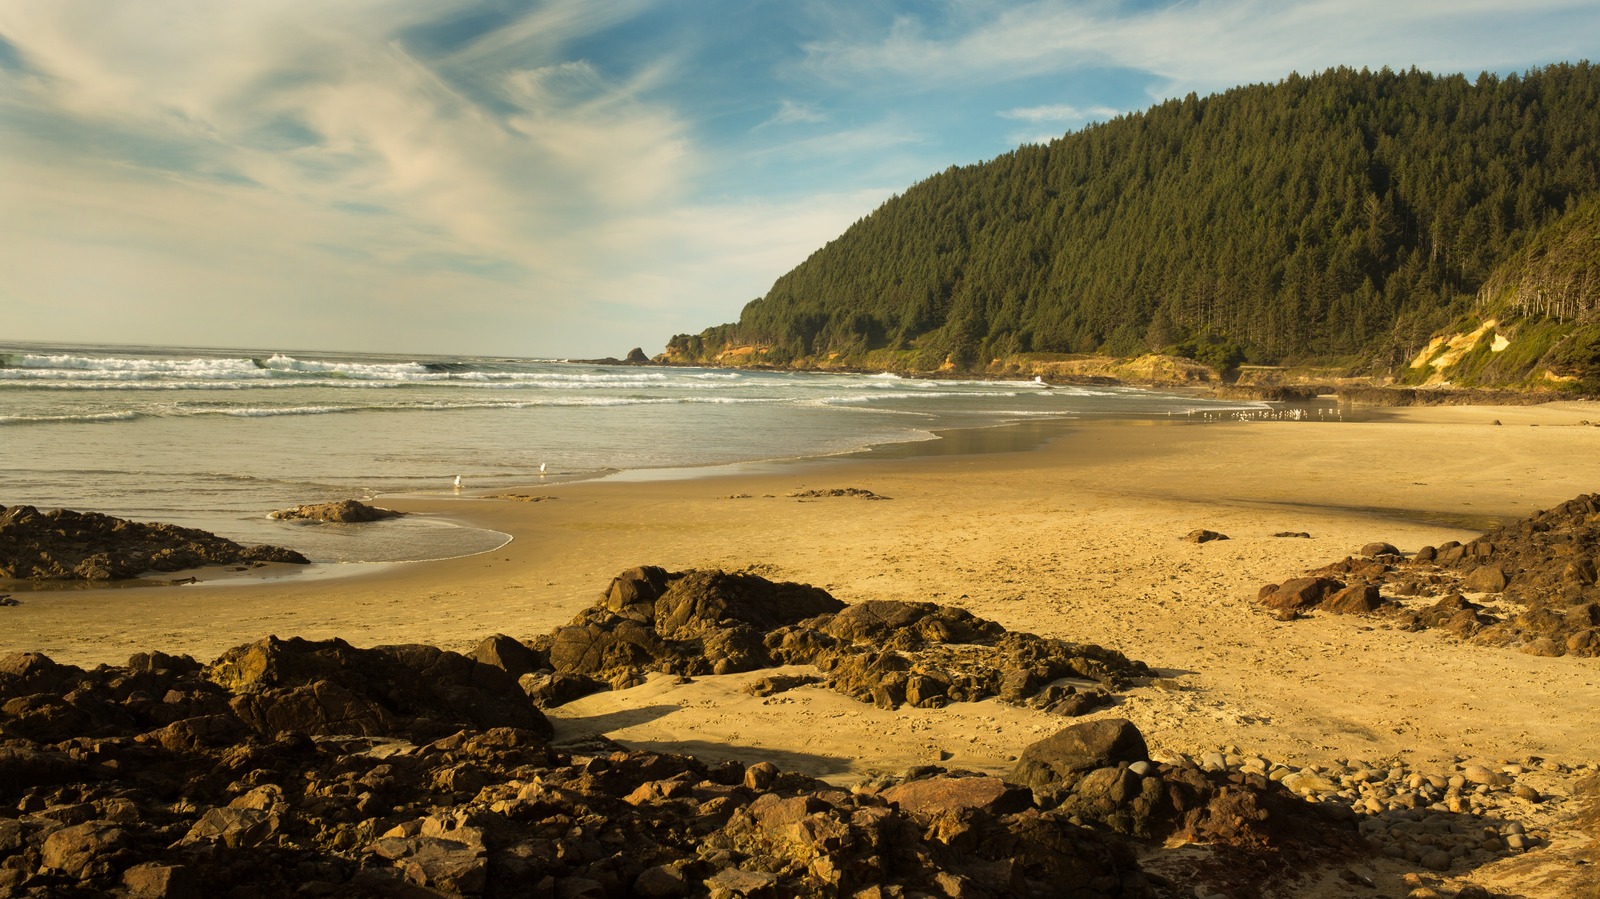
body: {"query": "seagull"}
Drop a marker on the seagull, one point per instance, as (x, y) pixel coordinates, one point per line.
(541, 469)
(458, 482)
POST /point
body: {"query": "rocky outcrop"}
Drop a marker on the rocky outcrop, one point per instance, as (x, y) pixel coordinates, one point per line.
(148, 780)
(345, 511)
(67, 545)
(886, 652)
(1536, 579)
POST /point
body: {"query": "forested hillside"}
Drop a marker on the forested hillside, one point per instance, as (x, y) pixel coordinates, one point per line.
(1345, 216)
(1536, 319)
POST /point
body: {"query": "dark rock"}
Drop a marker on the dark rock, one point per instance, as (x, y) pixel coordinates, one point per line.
(510, 656)
(67, 545)
(548, 690)
(1301, 593)
(331, 687)
(1544, 564)
(1373, 550)
(345, 511)
(1356, 599)
(940, 795)
(1064, 757)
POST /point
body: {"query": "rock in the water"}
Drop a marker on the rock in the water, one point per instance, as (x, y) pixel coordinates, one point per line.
(67, 545)
(1064, 757)
(345, 511)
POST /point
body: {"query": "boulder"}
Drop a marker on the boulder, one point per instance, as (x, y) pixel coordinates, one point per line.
(1301, 593)
(1064, 757)
(85, 851)
(1485, 579)
(941, 795)
(1356, 599)
(331, 687)
(1373, 550)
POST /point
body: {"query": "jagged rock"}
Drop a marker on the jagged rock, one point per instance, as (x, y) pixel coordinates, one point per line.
(1545, 563)
(233, 827)
(886, 652)
(85, 851)
(345, 511)
(67, 545)
(1065, 756)
(331, 687)
(1299, 593)
(1485, 579)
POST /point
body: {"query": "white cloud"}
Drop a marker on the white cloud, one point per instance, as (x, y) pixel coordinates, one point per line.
(789, 113)
(1213, 44)
(1060, 112)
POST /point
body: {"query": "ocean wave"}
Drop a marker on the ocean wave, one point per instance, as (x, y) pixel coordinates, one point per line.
(70, 418)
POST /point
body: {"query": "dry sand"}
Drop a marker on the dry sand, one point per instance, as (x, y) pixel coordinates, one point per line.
(1079, 538)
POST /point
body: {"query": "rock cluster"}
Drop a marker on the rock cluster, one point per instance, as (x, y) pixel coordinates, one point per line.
(1440, 820)
(1537, 579)
(67, 545)
(860, 492)
(345, 511)
(890, 653)
(300, 768)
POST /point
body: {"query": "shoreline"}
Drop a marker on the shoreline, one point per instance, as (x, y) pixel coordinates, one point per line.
(1079, 538)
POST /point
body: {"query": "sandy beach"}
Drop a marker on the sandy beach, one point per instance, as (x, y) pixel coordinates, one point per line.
(1079, 536)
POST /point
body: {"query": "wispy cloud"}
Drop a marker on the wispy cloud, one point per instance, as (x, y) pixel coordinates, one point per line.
(570, 173)
(1210, 44)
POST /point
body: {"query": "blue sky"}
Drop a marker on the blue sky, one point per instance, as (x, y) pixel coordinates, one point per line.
(571, 177)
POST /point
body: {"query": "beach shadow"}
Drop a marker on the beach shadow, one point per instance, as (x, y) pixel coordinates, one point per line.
(610, 721)
(810, 763)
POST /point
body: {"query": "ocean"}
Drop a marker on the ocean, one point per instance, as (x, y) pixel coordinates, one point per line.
(217, 439)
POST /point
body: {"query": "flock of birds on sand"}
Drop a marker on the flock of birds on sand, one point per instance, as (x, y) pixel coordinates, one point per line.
(1288, 414)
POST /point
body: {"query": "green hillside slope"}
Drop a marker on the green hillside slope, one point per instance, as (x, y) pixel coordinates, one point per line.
(1537, 318)
(1343, 217)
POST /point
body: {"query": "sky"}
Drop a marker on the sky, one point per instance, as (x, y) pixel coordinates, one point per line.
(572, 178)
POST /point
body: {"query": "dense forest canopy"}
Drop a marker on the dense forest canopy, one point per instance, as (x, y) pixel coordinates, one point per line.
(1342, 215)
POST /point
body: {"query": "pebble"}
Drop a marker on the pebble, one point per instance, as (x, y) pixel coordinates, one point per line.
(1437, 820)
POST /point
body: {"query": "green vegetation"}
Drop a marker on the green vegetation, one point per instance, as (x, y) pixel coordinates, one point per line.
(1346, 215)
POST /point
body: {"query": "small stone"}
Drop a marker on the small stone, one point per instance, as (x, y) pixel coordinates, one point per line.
(1436, 860)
